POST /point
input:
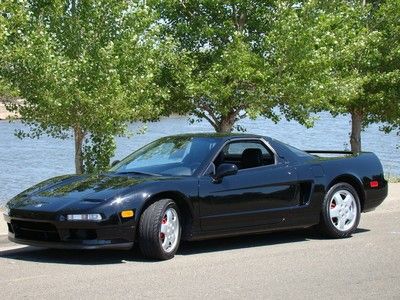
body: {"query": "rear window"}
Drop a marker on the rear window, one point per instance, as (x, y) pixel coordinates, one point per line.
(298, 152)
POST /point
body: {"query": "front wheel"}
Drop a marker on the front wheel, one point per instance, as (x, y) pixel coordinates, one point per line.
(341, 211)
(160, 230)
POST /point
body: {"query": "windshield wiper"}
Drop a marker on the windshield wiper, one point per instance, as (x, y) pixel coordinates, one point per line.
(139, 173)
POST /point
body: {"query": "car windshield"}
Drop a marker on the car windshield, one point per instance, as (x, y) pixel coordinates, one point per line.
(176, 156)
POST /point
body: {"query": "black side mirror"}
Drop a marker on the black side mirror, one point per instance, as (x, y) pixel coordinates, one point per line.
(225, 170)
(114, 163)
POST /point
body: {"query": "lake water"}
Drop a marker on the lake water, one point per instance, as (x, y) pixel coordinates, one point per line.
(26, 162)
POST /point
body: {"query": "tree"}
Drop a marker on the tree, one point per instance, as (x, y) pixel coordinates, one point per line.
(372, 64)
(234, 67)
(11, 17)
(86, 68)
(361, 53)
(385, 86)
(290, 58)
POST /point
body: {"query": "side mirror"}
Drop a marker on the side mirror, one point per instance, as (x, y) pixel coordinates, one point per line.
(225, 170)
(114, 163)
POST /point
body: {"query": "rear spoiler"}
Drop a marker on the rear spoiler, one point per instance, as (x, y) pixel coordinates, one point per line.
(329, 152)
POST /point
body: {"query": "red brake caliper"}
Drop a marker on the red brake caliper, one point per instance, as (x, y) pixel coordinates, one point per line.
(164, 221)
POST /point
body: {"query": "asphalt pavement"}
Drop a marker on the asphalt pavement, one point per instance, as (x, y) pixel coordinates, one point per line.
(297, 264)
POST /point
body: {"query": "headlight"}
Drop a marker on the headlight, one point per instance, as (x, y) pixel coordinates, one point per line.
(84, 217)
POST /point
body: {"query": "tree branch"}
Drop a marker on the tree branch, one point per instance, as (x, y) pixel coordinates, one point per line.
(213, 124)
(184, 6)
(207, 108)
(238, 20)
(241, 22)
(234, 15)
(242, 116)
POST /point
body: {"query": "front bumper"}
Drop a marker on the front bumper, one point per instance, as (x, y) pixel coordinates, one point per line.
(70, 235)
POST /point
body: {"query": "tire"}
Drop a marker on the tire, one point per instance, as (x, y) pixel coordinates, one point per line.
(160, 230)
(341, 211)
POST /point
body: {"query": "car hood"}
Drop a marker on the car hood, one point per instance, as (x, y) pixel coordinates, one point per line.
(79, 191)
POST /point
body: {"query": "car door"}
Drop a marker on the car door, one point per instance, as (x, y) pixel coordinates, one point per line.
(255, 196)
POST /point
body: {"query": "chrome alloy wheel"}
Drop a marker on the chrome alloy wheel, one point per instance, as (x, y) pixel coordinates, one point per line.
(169, 232)
(343, 210)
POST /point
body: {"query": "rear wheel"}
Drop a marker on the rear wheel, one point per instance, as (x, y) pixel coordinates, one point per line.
(341, 211)
(160, 230)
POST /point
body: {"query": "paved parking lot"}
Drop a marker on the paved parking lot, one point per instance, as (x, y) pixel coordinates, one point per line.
(297, 264)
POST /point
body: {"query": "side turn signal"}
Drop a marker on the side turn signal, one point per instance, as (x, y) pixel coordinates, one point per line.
(127, 213)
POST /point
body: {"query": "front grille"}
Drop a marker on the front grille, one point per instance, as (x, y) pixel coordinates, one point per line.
(82, 234)
(35, 231)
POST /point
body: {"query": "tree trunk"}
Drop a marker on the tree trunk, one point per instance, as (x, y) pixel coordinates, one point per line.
(356, 127)
(78, 136)
(224, 127)
(221, 123)
(225, 124)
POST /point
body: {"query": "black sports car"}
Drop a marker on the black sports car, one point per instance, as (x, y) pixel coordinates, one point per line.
(198, 186)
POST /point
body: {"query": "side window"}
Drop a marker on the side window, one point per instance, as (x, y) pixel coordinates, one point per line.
(245, 154)
(237, 148)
